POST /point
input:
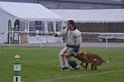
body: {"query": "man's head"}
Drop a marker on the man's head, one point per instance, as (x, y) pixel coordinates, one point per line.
(70, 24)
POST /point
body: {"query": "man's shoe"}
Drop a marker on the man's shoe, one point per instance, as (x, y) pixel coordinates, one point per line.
(77, 67)
(65, 69)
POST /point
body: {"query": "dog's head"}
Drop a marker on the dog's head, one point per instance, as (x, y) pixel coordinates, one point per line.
(82, 55)
(78, 53)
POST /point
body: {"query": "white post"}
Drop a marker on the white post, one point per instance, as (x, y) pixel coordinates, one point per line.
(17, 69)
(106, 42)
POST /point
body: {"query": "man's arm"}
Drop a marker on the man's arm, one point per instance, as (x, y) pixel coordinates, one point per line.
(61, 33)
(78, 40)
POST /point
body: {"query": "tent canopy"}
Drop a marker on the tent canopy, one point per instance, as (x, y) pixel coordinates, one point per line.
(10, 12)
(29, 11)
(97, 15)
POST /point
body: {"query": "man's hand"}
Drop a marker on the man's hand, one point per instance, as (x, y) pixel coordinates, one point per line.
(76, 48)
(74, 54)
(56, 35)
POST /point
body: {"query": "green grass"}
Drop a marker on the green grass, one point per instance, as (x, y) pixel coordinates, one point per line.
(42, 65)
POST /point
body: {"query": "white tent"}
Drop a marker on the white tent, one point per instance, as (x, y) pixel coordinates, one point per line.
(24, 12)
(92, 16)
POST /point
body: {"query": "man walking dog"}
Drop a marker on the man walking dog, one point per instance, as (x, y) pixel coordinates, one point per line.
(74, 40)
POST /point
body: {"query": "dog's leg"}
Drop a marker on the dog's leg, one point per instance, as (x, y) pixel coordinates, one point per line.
(86, 65)
(92, 66)
(95, 68)
(82, 64)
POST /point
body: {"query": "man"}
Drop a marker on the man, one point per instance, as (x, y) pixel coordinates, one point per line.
(74, 40)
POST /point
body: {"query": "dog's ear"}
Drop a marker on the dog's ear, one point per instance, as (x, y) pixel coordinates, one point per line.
(85, 55)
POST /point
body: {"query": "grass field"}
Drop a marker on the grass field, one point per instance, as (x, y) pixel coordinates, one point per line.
(42, 65)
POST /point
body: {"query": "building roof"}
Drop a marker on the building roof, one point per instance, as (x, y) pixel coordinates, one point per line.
(97, 15)
(116, 2)
(28, 11)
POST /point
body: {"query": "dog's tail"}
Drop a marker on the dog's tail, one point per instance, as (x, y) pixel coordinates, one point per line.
(108, 61)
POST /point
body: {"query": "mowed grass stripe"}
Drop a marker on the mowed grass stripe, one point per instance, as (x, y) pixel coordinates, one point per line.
(80, 76)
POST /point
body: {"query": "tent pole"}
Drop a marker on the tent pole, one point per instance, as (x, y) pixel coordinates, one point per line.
(28, 27)
(46, 30)
(41, 40)
(9, 40)
(54, 26)
(54, 30)
(12, 34)
(28, 31)
(62, 25)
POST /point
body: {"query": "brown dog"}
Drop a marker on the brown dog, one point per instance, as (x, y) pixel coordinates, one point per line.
(87, 58)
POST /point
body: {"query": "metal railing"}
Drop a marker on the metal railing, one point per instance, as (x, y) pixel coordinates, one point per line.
(98, 36)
